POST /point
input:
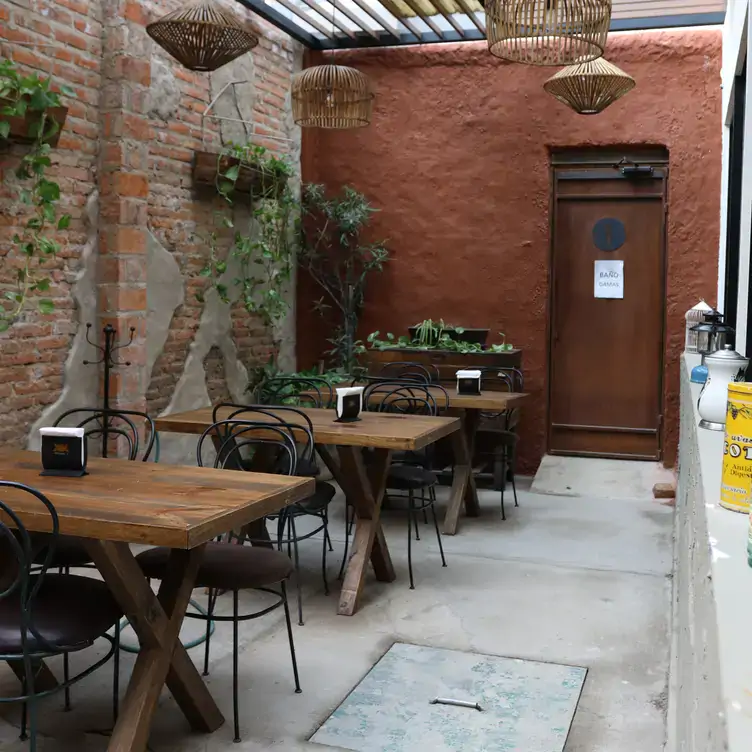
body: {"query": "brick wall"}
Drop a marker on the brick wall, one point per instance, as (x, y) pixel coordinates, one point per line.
(33, 352)
(129, 139)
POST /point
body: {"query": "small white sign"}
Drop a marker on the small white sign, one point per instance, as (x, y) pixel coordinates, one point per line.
(609, 279)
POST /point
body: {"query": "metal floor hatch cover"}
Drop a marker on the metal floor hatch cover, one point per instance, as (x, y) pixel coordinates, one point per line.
(526, 706)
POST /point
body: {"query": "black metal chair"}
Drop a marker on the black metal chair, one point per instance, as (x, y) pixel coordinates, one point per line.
(501, 428)
(424, 373)
(227, 566)
(411, 472)
(304, 391)
(45, 615)
(300, 428)
(136, 434)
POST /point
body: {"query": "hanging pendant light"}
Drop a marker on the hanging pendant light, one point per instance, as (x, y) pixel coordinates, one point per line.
(588, 88)
(331, 96)
(547, 32)
(203, 36)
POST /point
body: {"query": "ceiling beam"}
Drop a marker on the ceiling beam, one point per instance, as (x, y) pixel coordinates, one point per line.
(300, 13)
(479, 24)
(275, 18)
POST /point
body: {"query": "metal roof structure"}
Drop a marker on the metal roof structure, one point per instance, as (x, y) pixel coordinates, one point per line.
(370, 23)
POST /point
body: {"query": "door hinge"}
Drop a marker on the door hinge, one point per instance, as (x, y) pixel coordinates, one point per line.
(665, 208)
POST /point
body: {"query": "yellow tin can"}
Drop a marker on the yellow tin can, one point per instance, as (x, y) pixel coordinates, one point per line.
(736, 476)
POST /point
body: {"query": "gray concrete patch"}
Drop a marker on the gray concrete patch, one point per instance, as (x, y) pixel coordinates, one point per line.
(599, 478)
(80, 382)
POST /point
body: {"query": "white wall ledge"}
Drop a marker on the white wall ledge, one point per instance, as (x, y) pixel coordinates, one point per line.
(711, 702)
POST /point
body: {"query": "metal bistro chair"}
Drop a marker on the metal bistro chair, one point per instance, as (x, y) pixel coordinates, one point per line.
(502, 430)
(411, 473)
(102, 426)
(226, 566)
(304, 391)
(300, 428)
(424, 373)
(45, 615)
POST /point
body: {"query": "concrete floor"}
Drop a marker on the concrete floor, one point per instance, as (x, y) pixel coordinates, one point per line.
(581, 581)
(599, 478)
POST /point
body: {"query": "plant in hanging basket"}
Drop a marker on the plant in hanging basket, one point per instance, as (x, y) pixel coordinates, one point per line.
(242, 170)
(29, 111)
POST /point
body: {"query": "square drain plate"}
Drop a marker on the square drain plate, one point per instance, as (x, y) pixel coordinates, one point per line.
(526, 706)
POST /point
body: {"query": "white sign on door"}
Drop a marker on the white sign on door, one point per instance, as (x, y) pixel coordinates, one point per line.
(609, 279)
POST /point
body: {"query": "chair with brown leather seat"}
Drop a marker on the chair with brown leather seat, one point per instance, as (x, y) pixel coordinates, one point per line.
(136, 434)
(45, 615)
(300, 427)
(227, 566)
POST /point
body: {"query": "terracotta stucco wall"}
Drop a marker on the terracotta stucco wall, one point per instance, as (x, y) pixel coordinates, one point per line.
(457, 159)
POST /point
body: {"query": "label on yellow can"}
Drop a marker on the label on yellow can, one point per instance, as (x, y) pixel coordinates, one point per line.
(736, 476)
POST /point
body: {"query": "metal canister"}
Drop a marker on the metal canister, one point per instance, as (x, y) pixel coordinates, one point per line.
(736, 476)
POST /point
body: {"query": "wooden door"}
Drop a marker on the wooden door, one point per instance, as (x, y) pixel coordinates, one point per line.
(606, 354)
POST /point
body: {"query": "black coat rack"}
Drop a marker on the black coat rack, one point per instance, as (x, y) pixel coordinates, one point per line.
(107, 358)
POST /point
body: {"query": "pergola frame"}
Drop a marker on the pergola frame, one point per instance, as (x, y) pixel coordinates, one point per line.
(380, 31)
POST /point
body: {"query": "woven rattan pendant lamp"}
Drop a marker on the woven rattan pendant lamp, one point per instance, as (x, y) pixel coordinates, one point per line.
(202, 36)
(547, 32)
(331, 96)
(588, 88)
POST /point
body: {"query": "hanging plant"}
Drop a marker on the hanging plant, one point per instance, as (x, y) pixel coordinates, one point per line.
(263, 245)
(29, 99)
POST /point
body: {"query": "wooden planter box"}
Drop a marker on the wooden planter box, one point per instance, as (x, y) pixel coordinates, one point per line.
(208, 167)
(21, 128)
(447, 361)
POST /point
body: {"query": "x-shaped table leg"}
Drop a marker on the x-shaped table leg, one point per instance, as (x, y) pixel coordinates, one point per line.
(364, 488)
(156, 619)
(463, 482)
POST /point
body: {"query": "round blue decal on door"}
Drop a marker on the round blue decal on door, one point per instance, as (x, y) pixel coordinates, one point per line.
(609, 234)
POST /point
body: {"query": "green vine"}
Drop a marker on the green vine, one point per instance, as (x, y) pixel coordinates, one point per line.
(19, 96)
(264, 246)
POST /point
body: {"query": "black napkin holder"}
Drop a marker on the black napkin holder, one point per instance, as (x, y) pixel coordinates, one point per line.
(468, 382)
(63, 452)
(349, 404)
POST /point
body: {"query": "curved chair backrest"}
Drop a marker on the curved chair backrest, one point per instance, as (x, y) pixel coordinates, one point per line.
(412, 400)
(308, 391)
(233, 439)
(18, 552)
(380, 393)
(424, 373)
(299, 425)
(512, 378)
(114, 424)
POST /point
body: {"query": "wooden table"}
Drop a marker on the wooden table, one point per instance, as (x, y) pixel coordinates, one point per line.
(123, 502)
(363, 484)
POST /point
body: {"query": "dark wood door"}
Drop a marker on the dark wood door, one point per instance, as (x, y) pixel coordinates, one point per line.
(606, 354)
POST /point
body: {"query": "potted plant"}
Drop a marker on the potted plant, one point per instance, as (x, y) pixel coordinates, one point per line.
(242, 169)
(458, 333)
(30, 111)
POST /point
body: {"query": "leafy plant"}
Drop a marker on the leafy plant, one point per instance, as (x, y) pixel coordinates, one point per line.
(335, 257)
(264, 247)
(261, 375)
(433, 336)
(33, 245)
